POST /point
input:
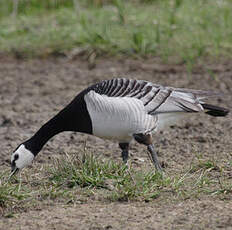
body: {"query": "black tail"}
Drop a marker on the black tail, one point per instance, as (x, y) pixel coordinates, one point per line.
(215, 110)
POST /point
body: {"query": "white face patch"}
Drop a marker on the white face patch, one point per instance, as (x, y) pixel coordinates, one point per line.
(25, 157)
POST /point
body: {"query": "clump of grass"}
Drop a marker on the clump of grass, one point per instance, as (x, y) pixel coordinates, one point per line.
(140, 44)
(25, 7)
(84, 172)
(121, 10)
(91, 172)
(139, 185)
(204, 165)
(11, 194)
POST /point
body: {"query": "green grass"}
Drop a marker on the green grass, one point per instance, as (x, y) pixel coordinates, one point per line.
(72, 179)
(90, 172)
(11, 194)
(174, 30)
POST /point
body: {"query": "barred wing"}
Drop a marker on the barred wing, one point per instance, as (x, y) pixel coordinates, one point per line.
(156, 98)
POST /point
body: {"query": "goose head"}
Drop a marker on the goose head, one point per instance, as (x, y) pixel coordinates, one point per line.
(20, 158)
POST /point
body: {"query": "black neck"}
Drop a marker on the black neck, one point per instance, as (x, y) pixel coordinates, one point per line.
(74, 117)
(46, 132)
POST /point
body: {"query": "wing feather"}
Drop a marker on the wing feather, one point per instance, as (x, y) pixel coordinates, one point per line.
(156, 98)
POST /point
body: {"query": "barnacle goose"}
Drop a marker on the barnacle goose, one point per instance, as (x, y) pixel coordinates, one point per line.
(120, 109)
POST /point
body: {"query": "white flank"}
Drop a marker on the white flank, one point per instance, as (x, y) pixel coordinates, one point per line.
(25, 157)
(118, 117)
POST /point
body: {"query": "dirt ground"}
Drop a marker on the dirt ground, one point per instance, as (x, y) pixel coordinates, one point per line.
(32, 91)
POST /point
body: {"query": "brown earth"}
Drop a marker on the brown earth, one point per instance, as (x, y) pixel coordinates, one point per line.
(32, 91)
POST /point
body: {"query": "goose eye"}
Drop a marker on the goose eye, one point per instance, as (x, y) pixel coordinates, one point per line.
(16, 157)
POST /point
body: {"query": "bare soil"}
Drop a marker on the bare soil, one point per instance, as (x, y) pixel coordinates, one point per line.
(32, 91)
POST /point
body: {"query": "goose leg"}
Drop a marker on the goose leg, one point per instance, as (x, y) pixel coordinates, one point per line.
(125, 151)
(147, 140)
(154, 157)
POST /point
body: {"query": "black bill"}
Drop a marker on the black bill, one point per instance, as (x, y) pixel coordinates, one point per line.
(13, 171)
